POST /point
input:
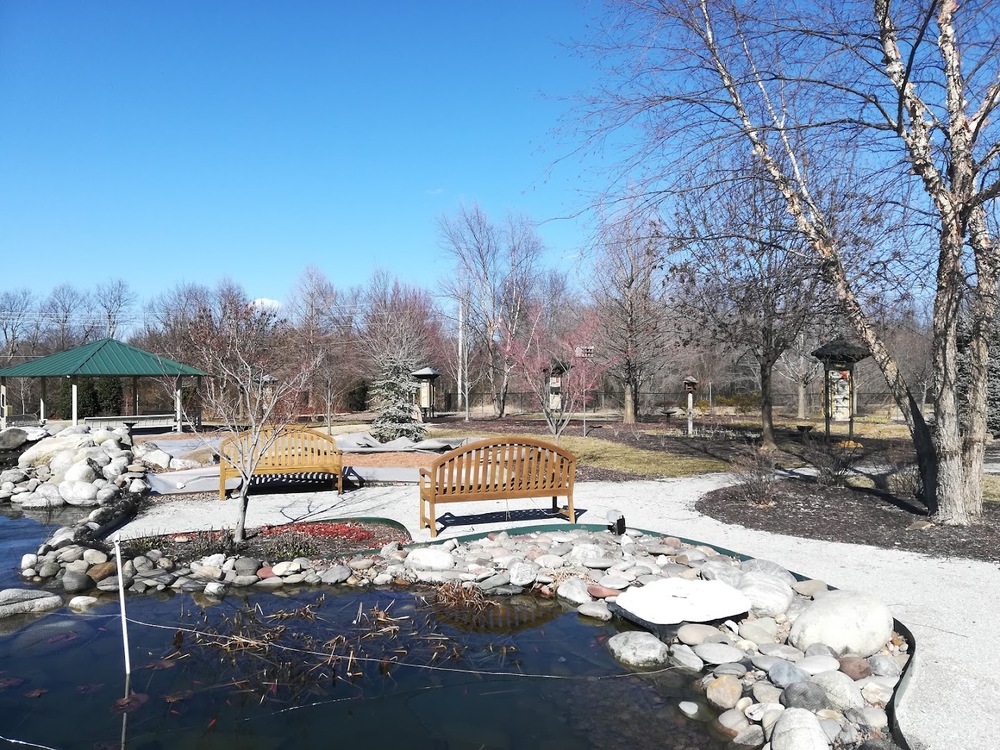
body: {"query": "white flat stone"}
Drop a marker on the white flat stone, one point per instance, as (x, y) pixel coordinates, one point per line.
(675, 600)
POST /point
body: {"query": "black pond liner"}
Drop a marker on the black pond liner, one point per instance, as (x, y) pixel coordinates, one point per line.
(904, 679)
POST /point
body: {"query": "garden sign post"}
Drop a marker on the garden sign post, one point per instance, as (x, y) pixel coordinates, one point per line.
(690, 385)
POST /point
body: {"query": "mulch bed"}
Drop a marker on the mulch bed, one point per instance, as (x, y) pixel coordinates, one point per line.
(838, 514)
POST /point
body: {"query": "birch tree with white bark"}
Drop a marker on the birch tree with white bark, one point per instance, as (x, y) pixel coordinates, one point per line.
(903, 96)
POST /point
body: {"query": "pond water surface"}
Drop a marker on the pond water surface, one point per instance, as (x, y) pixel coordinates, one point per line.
(318, 668)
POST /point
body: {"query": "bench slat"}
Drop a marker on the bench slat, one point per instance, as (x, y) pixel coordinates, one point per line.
(294, 450)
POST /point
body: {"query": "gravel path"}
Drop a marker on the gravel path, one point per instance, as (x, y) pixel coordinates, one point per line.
(950, 604)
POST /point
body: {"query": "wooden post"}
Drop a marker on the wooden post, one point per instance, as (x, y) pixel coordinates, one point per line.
(41, 403)
(3, 403)
(179, 427)
(73, 388)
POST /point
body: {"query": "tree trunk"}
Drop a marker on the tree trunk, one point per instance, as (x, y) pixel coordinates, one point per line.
(629, 415)
(766, 406)
(240, 532)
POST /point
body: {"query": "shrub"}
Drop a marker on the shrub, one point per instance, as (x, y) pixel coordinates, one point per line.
(832, 460)
(754, 468)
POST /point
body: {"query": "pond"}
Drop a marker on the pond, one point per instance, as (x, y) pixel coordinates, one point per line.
(328, 667)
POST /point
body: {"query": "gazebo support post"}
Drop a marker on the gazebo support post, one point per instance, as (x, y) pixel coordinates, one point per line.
(179, 426)
(827, 408)
(135, 396)
(41, 402)
(197, 388)
(3, 403)
(73, 387)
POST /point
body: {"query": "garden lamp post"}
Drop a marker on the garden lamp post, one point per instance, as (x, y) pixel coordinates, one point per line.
(690, 385)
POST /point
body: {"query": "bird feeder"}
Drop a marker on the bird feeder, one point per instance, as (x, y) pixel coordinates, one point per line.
(425, 390)
(839, 357)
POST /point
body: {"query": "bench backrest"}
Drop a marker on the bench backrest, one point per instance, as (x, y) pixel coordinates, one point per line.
(510, 465)
(287, 448)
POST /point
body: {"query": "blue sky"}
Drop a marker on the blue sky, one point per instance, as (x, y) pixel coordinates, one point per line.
(167, 142)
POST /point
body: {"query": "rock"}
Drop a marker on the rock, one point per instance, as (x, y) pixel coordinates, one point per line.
(335, 574)
(798, 729)
(14, 476)
(750, 738)
(882, 665)
(429, 558)
(601, 592)
(674, 600)
(840, 689)
(805, 694)
(78, 493)
(850, 622)
(783, 673)
(23, 601)
(696, 711)
(99, 572)
(695, 632)
(723, 692)
(768, 594)
(718, 653)
(683, 657)
(597, 610)
(81, 471)
(246, 566)
(286, 568)
(12, 438)
(810, 588)
(718, 570)
(157, 458)
(814, 665)
(138, 487)
(582, 552)
(522, 573)
(74, 582)
(215, 589)
(855, 667)
(638, 649)
(768, 568)
(82, 603)
(574, 590)
(46, 449)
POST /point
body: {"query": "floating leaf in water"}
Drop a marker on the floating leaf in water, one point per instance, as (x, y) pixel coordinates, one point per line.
(90, 688)
(36, 693)
(161, 664)
(10, 682)
(130, 704)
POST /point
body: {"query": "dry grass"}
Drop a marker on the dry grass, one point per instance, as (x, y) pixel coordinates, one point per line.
(607, 454)
(991, 488)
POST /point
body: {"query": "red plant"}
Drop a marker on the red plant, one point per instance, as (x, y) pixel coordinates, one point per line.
(323, 529)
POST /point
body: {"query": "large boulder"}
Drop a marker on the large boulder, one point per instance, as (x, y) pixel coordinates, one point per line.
(78, 493)
(769, 595)
(12, 438)
(81, 471)
(22, 601)
(430, 558)
(43, 451)
(849, 622)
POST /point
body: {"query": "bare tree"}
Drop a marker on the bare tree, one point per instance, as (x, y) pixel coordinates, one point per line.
(113, 300)
(17, 309)
(913, 89)
(258, 372)
(67, 316)
(496, 269)
(627, 293)
(744, 278)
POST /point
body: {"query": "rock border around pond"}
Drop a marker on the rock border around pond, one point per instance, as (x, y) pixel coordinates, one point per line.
(805, 664)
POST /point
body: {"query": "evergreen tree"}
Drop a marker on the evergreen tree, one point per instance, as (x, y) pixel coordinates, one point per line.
(391, 395)
(110, 396)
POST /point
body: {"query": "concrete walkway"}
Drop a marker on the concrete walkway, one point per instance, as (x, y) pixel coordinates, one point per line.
(952, 606)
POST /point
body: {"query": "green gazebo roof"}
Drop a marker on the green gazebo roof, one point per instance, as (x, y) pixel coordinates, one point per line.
(107, 357)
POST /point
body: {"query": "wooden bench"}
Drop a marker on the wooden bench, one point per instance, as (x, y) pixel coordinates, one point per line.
(498, 470)
(290, 451)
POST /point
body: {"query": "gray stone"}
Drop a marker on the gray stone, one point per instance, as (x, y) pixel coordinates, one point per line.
(841, 690)
(798, 729)
(335, 574)
(522, 573)
(597, 610)
(14, 476)
(74, 582)
(574, 590)
(638, 649)
(734, 668)
(805, 694)
(12, 438)
(783, 673)
(78, 493)
(81, 471)
(23, 601)
(717, 570)
(430, 558)
(82, 603)
(718, 653)
(881, 664)
(495, 581)
(750, 738)
(768, 594)
(781, 650)
(754, 633)
(246, 566)
(684, 657)
(817, 664)
(847, 621)
(215, 589)
(693, 633)
(768, 568)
